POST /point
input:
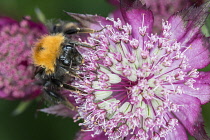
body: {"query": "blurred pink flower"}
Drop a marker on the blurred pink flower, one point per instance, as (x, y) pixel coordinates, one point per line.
(142, 85)
(16, 71)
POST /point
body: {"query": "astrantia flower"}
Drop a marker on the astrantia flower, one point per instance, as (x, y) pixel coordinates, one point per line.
(141, 85)
(16, 41)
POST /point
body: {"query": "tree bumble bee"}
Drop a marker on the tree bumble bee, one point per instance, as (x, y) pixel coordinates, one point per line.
(57, 59)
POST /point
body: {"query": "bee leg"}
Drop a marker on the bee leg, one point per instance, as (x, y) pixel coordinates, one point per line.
(74, 75)
(51, 87)
(60, 98)
(88, 30)
(73, 89)
(82, 44)
(81, 30)
(54, 95)
(71, 73)
(37, 71)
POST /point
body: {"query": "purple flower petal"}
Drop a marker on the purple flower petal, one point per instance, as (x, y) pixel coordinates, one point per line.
(86, 135)
(137, 16)
(6, 21)
(186, 24)
(117, 14)
(189, 115)
(198, 54)
(91, 21)
(178, 133)
(59, 110)
(203, 86)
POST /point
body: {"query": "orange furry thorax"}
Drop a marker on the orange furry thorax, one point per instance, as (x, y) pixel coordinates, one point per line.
(46, 51)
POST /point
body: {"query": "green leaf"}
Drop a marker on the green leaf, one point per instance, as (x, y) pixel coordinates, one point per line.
(205, 31)
(21, 107)
(40, 15)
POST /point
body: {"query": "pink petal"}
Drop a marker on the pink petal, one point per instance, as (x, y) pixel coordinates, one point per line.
(90, 21)
(203, 83)
(189, 115)
(198, 54)
(177, 27)
(86, 135)
(187, 23)
(179, 133)
(6, 21)
(117, 14)
(59, 110)
(134, 13)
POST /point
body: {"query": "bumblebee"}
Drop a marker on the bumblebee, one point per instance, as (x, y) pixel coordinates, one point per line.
(57, 59)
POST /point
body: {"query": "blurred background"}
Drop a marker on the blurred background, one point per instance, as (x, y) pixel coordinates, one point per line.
(53, 9)
(31, 124)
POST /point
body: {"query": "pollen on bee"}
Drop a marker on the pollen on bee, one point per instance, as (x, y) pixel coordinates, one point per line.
(46, 50)
(83, 61)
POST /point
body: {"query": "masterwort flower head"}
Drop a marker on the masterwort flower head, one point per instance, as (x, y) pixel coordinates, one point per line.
(16, 39)
(141, 85)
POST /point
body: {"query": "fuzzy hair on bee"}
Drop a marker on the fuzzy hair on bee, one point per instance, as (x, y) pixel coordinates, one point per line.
(57, 59)
(46, 51)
